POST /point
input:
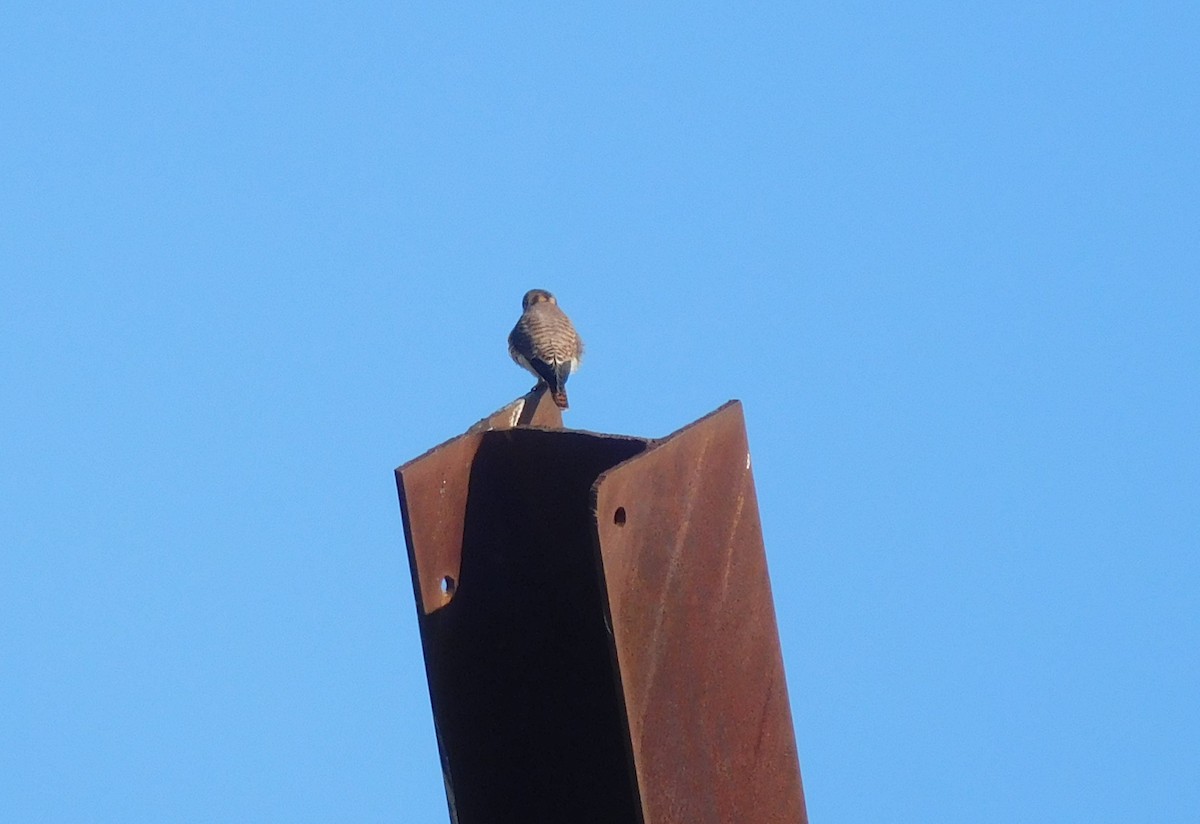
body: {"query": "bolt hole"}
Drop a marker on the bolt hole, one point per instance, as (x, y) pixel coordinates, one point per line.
(619, 516)
(447, 585)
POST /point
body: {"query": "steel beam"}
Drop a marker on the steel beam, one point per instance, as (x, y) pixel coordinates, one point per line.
(597, 625)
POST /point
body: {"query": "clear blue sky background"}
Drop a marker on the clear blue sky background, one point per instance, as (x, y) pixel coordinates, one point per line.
(253, 256)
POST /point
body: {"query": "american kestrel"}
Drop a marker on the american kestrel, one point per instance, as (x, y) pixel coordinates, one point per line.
(545, 343)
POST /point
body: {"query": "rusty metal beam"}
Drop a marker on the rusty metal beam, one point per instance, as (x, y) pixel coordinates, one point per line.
(597, 624)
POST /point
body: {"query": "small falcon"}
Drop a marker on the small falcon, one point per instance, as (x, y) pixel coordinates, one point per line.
(545, 343)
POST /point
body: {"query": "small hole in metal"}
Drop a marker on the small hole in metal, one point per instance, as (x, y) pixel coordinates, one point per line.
(619, 516)
(447, 585)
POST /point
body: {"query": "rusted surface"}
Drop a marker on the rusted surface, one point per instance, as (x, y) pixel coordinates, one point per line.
(528, 714)
(695, 634)
(433, 497)
(597, 624)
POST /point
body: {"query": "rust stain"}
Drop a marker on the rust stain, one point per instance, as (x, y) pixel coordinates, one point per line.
(701, 668)
(664, 601)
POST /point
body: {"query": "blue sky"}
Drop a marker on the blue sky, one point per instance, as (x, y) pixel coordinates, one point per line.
(253, 256)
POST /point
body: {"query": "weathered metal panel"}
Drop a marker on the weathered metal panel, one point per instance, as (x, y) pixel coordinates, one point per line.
(433, 497)
(695, 634)
(526, 704)
(597, 625)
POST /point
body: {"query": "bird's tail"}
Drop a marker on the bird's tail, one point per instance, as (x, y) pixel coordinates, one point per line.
(559, 386)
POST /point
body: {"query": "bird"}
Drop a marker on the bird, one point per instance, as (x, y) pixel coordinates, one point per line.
(545, 342)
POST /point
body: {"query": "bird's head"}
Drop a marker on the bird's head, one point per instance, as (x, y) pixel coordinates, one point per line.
(537, 296)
